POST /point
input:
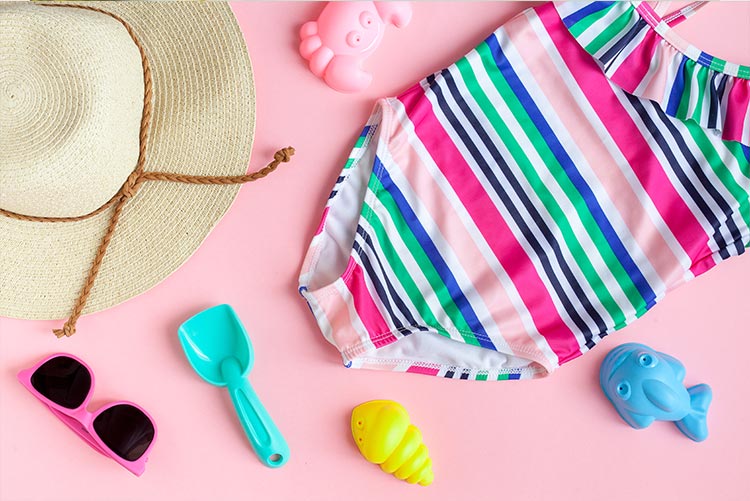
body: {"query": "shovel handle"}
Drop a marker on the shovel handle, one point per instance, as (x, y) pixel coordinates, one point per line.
(264, 436)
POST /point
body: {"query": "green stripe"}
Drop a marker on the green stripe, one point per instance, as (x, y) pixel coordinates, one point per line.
(503, 377)
(682, 109)
(423, 261)
(702, 77)
(559, 174)
(718, 64)
(481, 377)
(735, 148)
(360, 141)
(543, 194)
(349, 163)
(584, 24)
(610, 32)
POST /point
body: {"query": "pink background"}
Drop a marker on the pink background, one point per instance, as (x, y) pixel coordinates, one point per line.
(556, 438)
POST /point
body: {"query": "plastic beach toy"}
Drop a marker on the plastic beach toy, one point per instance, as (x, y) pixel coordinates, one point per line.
(345, 34)
(385, 436)
(219, 349)
(645, 385)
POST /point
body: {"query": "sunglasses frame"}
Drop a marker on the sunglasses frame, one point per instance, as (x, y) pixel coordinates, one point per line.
(81, 420)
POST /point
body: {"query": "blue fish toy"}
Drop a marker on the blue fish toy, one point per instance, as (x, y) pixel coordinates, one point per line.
(645, 385)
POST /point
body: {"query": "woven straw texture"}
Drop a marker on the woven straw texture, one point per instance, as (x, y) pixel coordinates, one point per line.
(203, 123)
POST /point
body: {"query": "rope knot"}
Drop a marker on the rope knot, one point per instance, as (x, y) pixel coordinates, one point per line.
(131, 185)
(67, 331)
(284, 154)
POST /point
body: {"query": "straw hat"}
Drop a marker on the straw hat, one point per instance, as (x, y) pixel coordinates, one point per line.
(97, 102)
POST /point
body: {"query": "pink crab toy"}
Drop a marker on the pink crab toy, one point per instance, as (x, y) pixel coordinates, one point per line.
(344, 35)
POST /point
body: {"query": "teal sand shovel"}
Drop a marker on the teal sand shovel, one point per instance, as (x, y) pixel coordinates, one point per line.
(219, 349)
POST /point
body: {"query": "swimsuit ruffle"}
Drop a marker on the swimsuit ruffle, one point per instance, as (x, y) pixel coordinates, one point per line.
(641, 54)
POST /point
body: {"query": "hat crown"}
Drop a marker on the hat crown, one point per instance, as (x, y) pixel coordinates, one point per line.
(71, 100)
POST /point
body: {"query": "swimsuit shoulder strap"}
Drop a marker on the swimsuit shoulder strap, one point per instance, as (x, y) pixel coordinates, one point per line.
(676, 17)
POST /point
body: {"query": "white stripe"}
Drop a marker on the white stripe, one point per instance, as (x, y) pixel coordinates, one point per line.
(354, 318)
(320, 316)
(694, 93)
(653, 69)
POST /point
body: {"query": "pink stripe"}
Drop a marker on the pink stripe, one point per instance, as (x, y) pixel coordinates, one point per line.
(636, 65)
(477, 269)
(656, 87)
(367, 309)
(587, 142)
(677, 20)
(322, 222)
(491, 224)
(418, 369)
(595, 85)
(737, 110)
(336, 312)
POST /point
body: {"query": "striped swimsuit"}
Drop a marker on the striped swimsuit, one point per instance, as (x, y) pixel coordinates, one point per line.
(502, 216)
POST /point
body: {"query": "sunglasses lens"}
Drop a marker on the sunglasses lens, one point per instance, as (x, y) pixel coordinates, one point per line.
(126, 430)
(62, 380)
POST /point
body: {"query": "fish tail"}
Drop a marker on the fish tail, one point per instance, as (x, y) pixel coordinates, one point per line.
(694, 424)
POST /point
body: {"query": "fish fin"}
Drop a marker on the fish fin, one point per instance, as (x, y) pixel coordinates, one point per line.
(637, 421)
(694, 424)
(677, 367)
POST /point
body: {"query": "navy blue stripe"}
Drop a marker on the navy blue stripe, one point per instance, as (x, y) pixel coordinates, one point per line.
(400, 304)
(726, 210)
(591, 8)
(449, 373)
(674, 164)
(718, 95)
(536, 216)
(713, 101)
(367, 265)
(433, 254)
(618, 248)
(608, 57)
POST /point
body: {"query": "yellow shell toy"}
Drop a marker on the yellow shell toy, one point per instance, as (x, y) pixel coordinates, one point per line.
(385, 436)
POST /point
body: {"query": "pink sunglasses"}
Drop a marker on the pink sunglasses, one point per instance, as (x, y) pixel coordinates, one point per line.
(122, 431)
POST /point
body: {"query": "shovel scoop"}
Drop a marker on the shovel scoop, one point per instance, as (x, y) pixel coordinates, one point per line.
(218, 347)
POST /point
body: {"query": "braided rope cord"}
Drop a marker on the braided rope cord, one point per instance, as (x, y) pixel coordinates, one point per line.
(134, 181)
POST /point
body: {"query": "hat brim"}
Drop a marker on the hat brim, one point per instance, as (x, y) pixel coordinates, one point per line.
(203, 123)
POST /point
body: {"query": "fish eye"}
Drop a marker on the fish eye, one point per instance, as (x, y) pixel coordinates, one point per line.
(623, 390)
(646, 360)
